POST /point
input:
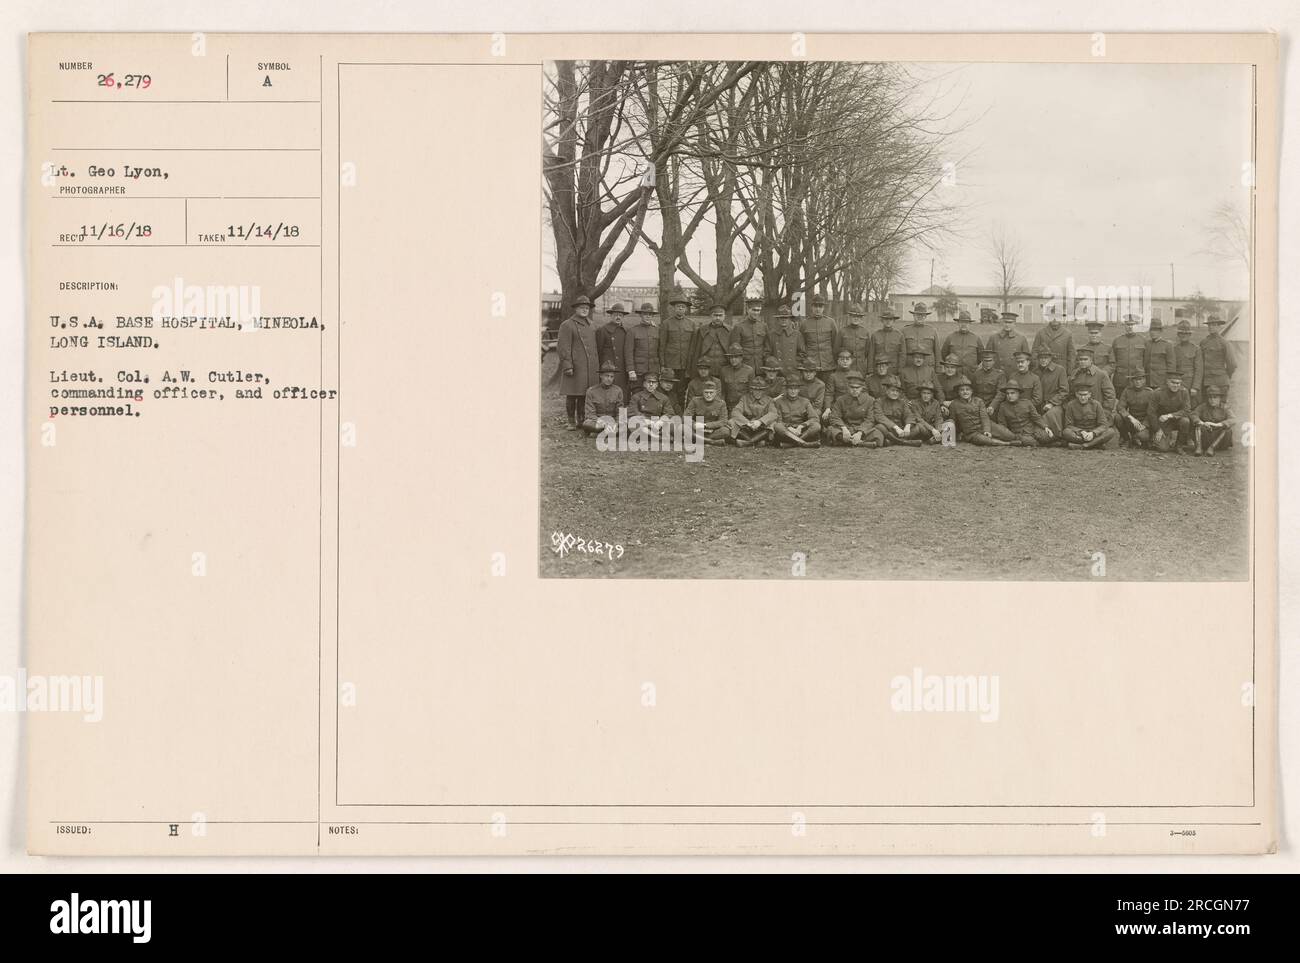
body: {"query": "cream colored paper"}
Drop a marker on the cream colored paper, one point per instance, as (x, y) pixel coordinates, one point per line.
(370, 662)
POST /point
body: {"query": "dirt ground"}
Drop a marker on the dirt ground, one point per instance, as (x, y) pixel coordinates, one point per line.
(896, 513)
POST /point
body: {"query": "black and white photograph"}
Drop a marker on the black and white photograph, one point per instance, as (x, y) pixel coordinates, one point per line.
(883, 321)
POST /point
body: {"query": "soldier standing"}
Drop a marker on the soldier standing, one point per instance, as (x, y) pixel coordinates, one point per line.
(817, 339)
(919, 336)
(1217, 362)
(963, 344)
(579, 361)
(950, 369)
(855, 337)
(1101, 355)
(1212, 421)
(850, 421)
(603, 401)
(750, 334)
(887, 342)
(611, 342)
(675, 337)
(783, 339)
(1128, 352)
(735, 375)
(1057, 337)
(1159, 356)
(1055, 384)
(1131, 416)
(1187, 356)
(641, 348)
(1006, 343)
(712, 339)
(876, 380)
(839, 383)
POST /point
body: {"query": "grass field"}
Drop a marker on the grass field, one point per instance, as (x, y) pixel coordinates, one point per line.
(897, 513)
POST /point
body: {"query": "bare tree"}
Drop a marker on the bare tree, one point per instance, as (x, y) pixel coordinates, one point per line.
(1005, 251)
(1229, 234)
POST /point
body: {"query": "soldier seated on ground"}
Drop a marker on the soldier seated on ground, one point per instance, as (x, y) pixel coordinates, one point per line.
(710, 411)
(798, 423)
(932, 422)
(651, 408)
(603, 402)
(1131, 415)
(971, 417)
(894, 422)
(1020, 418)
(1213, 421)
(753, 415)
(1087, 425)
(1169, 416)
(850, 422)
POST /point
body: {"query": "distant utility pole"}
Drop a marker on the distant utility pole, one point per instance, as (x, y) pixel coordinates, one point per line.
(1172, 290)
(931, 272)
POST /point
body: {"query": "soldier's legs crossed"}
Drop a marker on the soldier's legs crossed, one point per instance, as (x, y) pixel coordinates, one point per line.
(1002, 433)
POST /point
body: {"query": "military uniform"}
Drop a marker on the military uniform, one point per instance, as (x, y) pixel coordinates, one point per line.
(1187, 356)
(890, 415)
(1160, 358)
(675, 341)
(852, 414)
(796, 413)
(814, 390)
(1022, 419)
(750, 335)
(887, 343)
(987, 382)
(735, 379)
(1134, 404)
(714, 415)
(947, 383)
(640, 349)
(1101, 353)
(611, 340)
(1031, 389)
(1217, 363)
(710, 341)
(1005, 346)
(1103, 390)
(931, 419)
(1060, 340)
(783, 339)
(817, 341)
(919, 336)
(579, 360)
(1168, 433)
(1087, 416)
(754, 406)
(838, 386)
(965, 345)
(647, 414)
(1212, 422)
(1055, 384)
(856, 338)
(603, 403)
(1128, 352)
(912, 377)
(695, 387)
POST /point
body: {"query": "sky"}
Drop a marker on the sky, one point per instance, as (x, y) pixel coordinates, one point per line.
(1104, 173)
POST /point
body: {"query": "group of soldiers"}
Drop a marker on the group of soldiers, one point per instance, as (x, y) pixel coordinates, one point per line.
(797, 383)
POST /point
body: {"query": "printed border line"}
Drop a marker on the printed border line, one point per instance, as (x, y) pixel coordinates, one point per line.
(337, 632)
